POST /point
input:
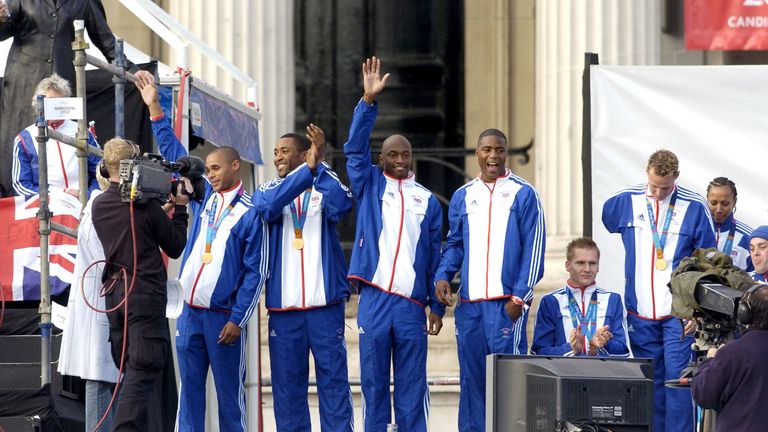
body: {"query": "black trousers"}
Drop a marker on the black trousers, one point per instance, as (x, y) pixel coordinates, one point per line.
(148, 394)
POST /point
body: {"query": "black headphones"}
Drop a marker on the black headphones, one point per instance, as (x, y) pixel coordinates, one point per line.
(103, 166)
(744, 311)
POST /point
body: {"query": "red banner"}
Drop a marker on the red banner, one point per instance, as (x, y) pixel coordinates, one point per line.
(728, 25)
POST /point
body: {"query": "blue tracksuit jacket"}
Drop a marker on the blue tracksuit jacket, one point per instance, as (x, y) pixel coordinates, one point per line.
(552, 331)
(316, 275)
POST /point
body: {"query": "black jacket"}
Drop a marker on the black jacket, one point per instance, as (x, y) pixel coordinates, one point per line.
(154, 231)
(733, 383)
(42, 32)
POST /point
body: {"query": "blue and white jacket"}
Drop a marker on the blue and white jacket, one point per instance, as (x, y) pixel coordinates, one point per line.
(233, 281)
(740, 250)
(759, 277)
(63, 166)
(552, 331)
(399, 223)
(496, 238)
(646, 293)
(316, 275)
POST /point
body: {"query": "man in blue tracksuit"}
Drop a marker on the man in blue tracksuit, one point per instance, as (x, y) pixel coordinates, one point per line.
(223, 270)
(497, 240)
(394, 258)
(63, 164)
(660, 223)
(581, 319)
(307, 289)
(758, 251)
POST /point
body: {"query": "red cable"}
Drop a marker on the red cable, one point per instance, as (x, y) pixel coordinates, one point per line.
(125, 318)
(2, 305)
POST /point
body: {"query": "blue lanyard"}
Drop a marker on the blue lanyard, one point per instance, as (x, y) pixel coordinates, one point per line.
(660, 241)
(728, 247)
(588, 320)
(213, 224)
(300, 216)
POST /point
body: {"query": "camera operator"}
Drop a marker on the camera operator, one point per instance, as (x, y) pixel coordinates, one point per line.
(732, 378)
(758, 251)
(148, 389)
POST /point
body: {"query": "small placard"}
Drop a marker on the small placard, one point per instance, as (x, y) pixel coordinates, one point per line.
(70, 108)
(59, 315)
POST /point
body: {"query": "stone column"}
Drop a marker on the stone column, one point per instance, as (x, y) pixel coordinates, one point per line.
(622, 33)
(499, 71)
(256, 36)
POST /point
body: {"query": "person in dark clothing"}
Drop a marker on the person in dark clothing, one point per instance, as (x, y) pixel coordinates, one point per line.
(148, 396)
(42, 32)
(732, 379)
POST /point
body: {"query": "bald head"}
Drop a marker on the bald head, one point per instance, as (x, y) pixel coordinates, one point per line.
(226, 153)
(395, 157)
(398, 141)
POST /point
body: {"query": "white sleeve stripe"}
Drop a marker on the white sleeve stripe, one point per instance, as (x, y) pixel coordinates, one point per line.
(16, 171)
(263, 268)
(535, 266)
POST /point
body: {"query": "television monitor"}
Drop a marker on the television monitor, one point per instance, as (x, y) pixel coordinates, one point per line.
(540, 393)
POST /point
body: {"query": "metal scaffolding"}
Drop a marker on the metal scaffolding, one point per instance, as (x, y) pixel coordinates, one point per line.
(83, 150)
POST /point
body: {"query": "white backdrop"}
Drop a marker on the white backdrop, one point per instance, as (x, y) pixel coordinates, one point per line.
(714, 118)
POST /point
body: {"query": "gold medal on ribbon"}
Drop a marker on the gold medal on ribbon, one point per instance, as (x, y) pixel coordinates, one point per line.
(661, 264)
(298, 243)
(207, 258)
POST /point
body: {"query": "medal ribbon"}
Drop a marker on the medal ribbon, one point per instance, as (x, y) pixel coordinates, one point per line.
(728, 247)
(660, 241)
(588, 321)
(300, 216)
(213, 224)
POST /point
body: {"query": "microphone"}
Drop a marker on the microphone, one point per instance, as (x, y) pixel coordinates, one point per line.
(191, 167)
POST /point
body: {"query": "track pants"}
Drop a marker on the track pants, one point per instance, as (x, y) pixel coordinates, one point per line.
(483, 328)
(663, 342)
(392, 330)
(198, 349)
(292, 336)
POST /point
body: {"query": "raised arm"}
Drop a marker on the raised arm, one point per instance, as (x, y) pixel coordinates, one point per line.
(170, 146)
(337, 198)
(272, 196)
(357, 148)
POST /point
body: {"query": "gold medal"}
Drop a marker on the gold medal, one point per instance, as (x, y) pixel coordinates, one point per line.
(298, 243)
(207, 258)
(661, 264)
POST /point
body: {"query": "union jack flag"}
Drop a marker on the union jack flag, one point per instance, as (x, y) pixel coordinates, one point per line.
(20, 245)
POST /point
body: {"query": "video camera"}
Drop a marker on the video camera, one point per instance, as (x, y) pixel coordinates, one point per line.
(151, 177)
(708, 287)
